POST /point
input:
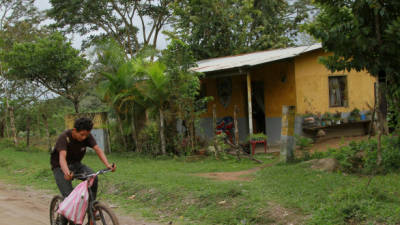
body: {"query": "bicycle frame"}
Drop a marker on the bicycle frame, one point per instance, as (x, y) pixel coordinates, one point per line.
(92, 202)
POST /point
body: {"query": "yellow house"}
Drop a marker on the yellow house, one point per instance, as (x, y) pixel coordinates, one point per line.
(291, 76)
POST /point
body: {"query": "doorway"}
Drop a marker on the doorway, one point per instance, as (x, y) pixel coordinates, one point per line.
(258, 106)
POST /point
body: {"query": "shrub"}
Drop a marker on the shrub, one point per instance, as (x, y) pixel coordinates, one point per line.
(149, 139)
(361, 157)
(256, 137)
(304, 144)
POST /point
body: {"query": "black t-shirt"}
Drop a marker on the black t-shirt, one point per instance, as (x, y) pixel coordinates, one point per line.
(75, 150)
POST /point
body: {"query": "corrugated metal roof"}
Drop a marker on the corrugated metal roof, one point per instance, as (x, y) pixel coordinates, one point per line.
(251, 59)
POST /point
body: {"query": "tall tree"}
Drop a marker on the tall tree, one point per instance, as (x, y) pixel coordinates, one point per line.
(220, 28)
(133, 24)
(118, 88)
(19, 20)
(53, 63)
(363, 35)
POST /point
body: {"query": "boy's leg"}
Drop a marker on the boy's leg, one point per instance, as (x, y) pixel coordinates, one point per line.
(64, 186)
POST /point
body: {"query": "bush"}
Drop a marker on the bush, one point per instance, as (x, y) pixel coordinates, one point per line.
(361, 157)
(6, 143)
(256, 137)
(304, 144)
(390, 155)
(149, 139)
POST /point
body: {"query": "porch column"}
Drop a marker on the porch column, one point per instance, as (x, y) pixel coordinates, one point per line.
(249, 103)
(287, 133)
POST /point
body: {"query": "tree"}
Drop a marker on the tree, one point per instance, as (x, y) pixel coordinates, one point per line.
(53, 63)
(184, 103)
(19, 20)
(116, 19)
(118, 88)
(363, 35)
(220, 28)
(155, 90)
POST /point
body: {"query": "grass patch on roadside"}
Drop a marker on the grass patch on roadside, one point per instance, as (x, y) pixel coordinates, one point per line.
(167, 190)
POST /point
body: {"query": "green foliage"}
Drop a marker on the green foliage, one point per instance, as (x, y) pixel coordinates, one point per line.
(361, 157)
(304, 144)
(149, 139)
(221, 28)
(219, 147)
(349, 30)
(51, 62)
(256, 137)
(167, 93)
(110, 19)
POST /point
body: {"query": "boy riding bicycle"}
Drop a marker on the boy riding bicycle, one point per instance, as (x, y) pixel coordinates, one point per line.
(68, 153)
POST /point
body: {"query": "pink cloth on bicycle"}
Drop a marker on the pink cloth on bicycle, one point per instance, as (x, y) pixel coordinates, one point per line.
(74, 206)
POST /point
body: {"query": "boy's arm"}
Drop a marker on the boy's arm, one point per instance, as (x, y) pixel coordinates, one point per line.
(103, 158)
(64, 165)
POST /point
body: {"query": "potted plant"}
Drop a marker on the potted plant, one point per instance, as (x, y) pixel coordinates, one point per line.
(337, 117)
(355, 114)
(256, 137)
(327, 118)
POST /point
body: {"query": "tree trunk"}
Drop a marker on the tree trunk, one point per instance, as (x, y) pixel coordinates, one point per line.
(28, 129)
(39, 127)
(6, 123)
(12, 123)
(381, 113)
(121, 130)
(46, 124)
(162, 137)
(76, 106)
(2, 127)
(134, 134)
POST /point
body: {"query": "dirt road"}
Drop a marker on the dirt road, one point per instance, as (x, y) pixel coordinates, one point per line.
(22, 206)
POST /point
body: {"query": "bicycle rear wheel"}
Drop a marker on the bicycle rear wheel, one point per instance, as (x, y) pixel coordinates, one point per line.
(107, 216)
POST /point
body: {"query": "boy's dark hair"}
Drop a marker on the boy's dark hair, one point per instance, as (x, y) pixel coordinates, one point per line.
(83, 124)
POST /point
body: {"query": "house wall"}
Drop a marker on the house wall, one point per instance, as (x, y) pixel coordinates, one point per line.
(279, 90)
(301, 81)
(312, 86)
(205, 127)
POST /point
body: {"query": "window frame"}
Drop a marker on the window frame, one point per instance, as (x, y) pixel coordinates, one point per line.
(346, 90)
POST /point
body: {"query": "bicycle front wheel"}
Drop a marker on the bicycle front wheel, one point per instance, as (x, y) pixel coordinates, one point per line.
(55, 218)
(105, 215)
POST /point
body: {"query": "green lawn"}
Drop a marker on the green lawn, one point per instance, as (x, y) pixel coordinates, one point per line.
(166, 190)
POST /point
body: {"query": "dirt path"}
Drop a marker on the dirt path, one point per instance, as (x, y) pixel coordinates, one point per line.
(22, 206)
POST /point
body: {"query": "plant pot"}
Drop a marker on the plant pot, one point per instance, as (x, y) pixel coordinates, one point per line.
(201, 152)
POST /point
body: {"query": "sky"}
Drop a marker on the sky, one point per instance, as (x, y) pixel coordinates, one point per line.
(77, 39)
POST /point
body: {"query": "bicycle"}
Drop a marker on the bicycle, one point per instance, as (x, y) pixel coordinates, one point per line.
(104, 214)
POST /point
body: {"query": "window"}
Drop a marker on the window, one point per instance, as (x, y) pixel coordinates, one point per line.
(338, 91)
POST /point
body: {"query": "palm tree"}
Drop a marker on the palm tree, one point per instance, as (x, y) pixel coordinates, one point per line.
(155, 90)
(119, 87)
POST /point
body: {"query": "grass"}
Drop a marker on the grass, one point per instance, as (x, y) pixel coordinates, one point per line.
(166, 190)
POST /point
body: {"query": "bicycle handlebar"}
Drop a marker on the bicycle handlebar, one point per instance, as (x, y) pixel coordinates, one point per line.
(83, 176)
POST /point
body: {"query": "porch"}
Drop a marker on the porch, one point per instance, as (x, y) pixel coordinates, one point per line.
(258, 92)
